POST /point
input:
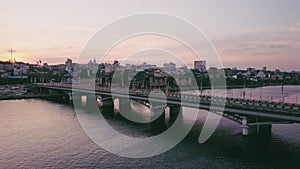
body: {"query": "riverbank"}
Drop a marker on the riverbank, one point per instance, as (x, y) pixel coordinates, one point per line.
(36, 96)
(20, 91)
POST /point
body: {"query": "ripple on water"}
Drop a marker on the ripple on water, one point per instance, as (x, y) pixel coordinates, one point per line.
(43, 134)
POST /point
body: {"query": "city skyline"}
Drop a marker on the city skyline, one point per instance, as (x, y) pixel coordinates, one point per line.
(251, 34)
(197, 65)
(161, 65)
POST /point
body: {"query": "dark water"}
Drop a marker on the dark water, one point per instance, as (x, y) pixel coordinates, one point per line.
(43, 134)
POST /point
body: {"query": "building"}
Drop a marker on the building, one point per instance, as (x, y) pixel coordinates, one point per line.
(227, 71)
(261, 75)
(20, 68)
(170, 67)
(251, 70)
(69, 65)
(6, 66)
(45, 65)
(200, 65)
(234, 70)
(92, 64)
(145, 66)
(109, 68)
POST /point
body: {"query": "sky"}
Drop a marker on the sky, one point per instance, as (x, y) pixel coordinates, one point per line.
(245, 33)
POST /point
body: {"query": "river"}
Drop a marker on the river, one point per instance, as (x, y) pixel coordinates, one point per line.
(42, 134)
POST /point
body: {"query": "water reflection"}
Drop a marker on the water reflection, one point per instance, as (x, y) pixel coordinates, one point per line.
(43, 134)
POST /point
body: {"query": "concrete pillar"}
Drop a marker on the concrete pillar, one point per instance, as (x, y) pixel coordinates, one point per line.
(252, 125)
(107, 105)
(246, 128)
(265, 129)
(175, 113)
(125, 107)
(70, 96)
(91, 103)
(157, 112)
(84, 101)
(77, 100)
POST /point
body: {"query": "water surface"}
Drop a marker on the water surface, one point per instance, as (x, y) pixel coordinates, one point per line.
(43, 134)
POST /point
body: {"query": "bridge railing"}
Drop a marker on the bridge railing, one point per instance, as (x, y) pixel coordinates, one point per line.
(189, 97)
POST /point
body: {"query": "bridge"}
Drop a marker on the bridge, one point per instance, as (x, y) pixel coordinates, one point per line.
(253, 115)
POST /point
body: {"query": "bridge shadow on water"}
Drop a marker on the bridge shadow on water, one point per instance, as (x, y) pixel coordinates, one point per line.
(127, 127)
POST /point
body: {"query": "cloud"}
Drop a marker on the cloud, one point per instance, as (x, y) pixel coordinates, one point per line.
(295, 28)
(262, 53)
(258, 46)
(278, 46)
(80, 28)
(54, 59)
(60, 48)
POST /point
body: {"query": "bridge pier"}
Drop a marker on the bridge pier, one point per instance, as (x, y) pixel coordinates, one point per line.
(125, 107)
(90, 99)
(253, 125)
(107, 104)
(175, 113)
(158, 113)
(82, 101)
(265, 129)
(76, 99)
(70, 97)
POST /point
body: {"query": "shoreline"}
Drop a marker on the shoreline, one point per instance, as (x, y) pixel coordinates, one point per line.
(15, 97)
(31, 95)
(21, 91)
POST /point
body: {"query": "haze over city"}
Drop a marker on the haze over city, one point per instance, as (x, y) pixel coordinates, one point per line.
(256, 33)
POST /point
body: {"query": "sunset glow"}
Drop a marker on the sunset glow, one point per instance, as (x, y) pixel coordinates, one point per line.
(249, 34)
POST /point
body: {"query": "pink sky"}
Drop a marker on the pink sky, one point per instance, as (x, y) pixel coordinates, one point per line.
(245, 34)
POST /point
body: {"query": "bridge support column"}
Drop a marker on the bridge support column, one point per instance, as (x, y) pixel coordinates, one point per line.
(246, 128)
(90, 103)
(252, 125)
(265, 129)
(90, 99)
(83, 101)
(76, 99)
(125, 105)
(158, 113)
(107, 105)
(175, 113)
(70, 96)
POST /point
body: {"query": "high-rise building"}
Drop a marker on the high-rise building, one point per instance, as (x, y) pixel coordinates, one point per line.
(170, 67)
(200, 65)
(251, 70)
(69, 65)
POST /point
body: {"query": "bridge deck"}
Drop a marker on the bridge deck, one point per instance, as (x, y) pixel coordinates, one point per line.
(231, 106)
